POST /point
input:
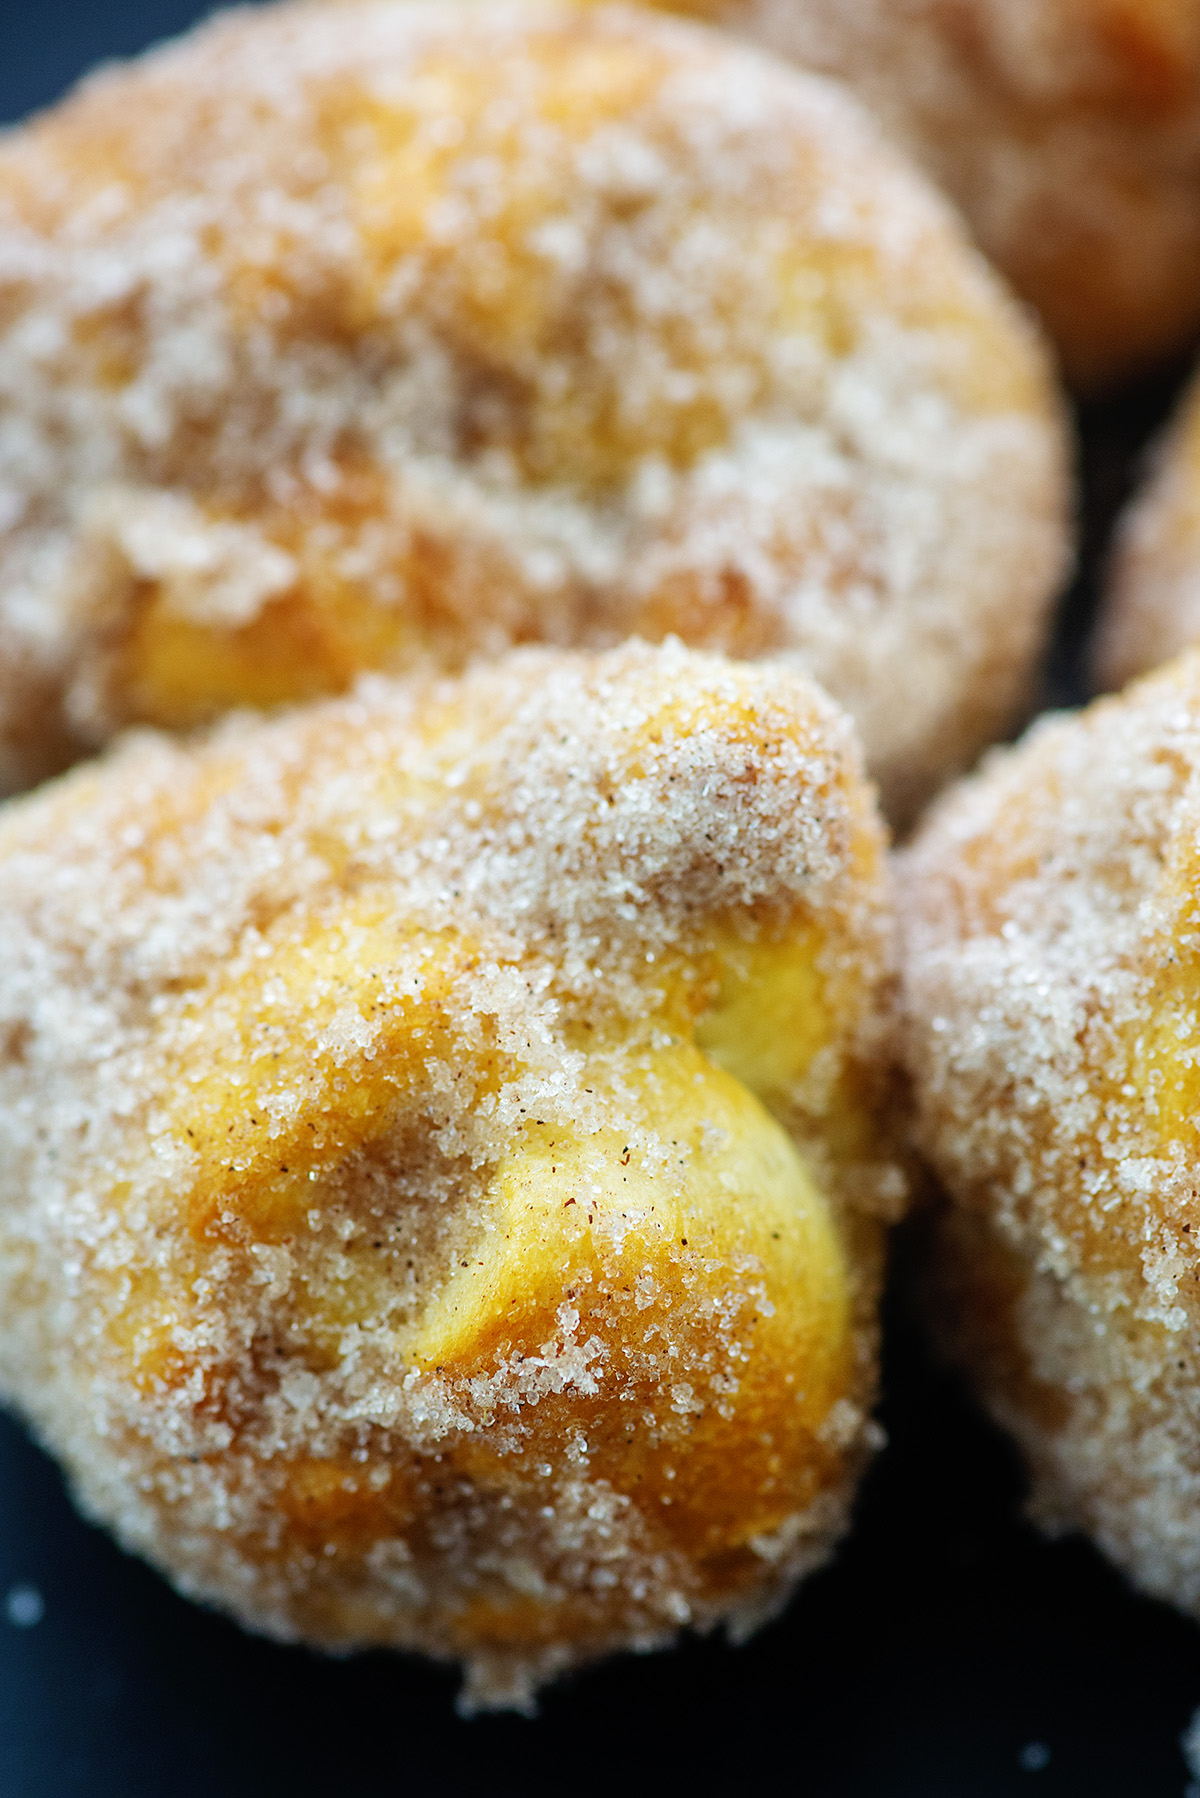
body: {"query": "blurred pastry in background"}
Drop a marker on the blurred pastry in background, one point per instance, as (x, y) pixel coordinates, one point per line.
(443, 1184)
(390, 336)
(1151, 609)
(1067, 130)
(1052, 980)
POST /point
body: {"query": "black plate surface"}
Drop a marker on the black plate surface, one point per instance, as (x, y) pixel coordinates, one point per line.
(948, 1653)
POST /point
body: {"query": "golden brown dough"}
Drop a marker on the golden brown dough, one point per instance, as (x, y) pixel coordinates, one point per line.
(390, 336)
(1054, 992)
(440, 1183)
(1067, 130)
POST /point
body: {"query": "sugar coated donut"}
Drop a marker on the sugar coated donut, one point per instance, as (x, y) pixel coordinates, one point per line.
(1152, 608)
(1067, 130)
(394, 335)
(1053, 969)
(440, 1183)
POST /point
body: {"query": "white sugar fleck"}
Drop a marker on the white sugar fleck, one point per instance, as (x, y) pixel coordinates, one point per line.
(24, 1606)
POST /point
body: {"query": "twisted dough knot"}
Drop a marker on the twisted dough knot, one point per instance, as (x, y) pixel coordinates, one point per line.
(442, 1181)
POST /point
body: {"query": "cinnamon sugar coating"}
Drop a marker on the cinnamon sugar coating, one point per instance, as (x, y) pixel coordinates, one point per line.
(393, 335)
(1152, 607)
(1067, 130)
(1054, 998)
(441, 1185)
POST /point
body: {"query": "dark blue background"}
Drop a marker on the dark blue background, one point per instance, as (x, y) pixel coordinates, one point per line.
(47, 44)
(944, 1641)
